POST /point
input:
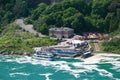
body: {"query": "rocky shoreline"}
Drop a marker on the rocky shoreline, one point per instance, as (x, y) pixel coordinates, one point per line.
(99, 57)
(12, 53)
(29, 54)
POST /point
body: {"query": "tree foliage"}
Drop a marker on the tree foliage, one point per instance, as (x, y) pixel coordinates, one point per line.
(13, 9)
(112, 46)
(81, 15)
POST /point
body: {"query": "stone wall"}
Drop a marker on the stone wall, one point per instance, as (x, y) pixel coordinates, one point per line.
(62, 32)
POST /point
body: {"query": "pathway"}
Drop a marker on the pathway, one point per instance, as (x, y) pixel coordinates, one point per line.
(28, 28)
(97, 47)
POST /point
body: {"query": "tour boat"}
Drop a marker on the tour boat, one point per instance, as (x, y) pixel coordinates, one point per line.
(65, 53)
(45, 55)
(87, 54)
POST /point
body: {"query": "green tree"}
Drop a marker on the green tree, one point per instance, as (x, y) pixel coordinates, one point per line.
(100, 7)
(114, 24)
(81, 5)
(20, 8)
(69, 12)
(44, 29)
(78, 23)
(68, 16)
(37, 12)
(108, 19)
(114, 5)
(88, 24)
(8, 17)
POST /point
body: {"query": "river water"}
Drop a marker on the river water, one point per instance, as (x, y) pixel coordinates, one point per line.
(28, 68)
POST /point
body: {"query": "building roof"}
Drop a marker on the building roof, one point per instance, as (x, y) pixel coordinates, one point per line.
(77, 42)
(61, 29)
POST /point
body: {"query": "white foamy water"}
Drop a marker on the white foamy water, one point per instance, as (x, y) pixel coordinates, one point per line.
(46, 75)
(18, 73)
(77, 69)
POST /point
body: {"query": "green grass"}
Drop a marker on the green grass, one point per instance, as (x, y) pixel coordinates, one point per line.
(15, 40)
(92, 45)
(112, 46)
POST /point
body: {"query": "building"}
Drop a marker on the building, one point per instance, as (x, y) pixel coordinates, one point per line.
(63, 32)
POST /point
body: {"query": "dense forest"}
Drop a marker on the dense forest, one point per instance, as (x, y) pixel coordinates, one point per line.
(82, 15)
(13, 9)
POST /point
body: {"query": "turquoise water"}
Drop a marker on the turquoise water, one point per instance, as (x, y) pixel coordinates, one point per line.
(28, 68)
